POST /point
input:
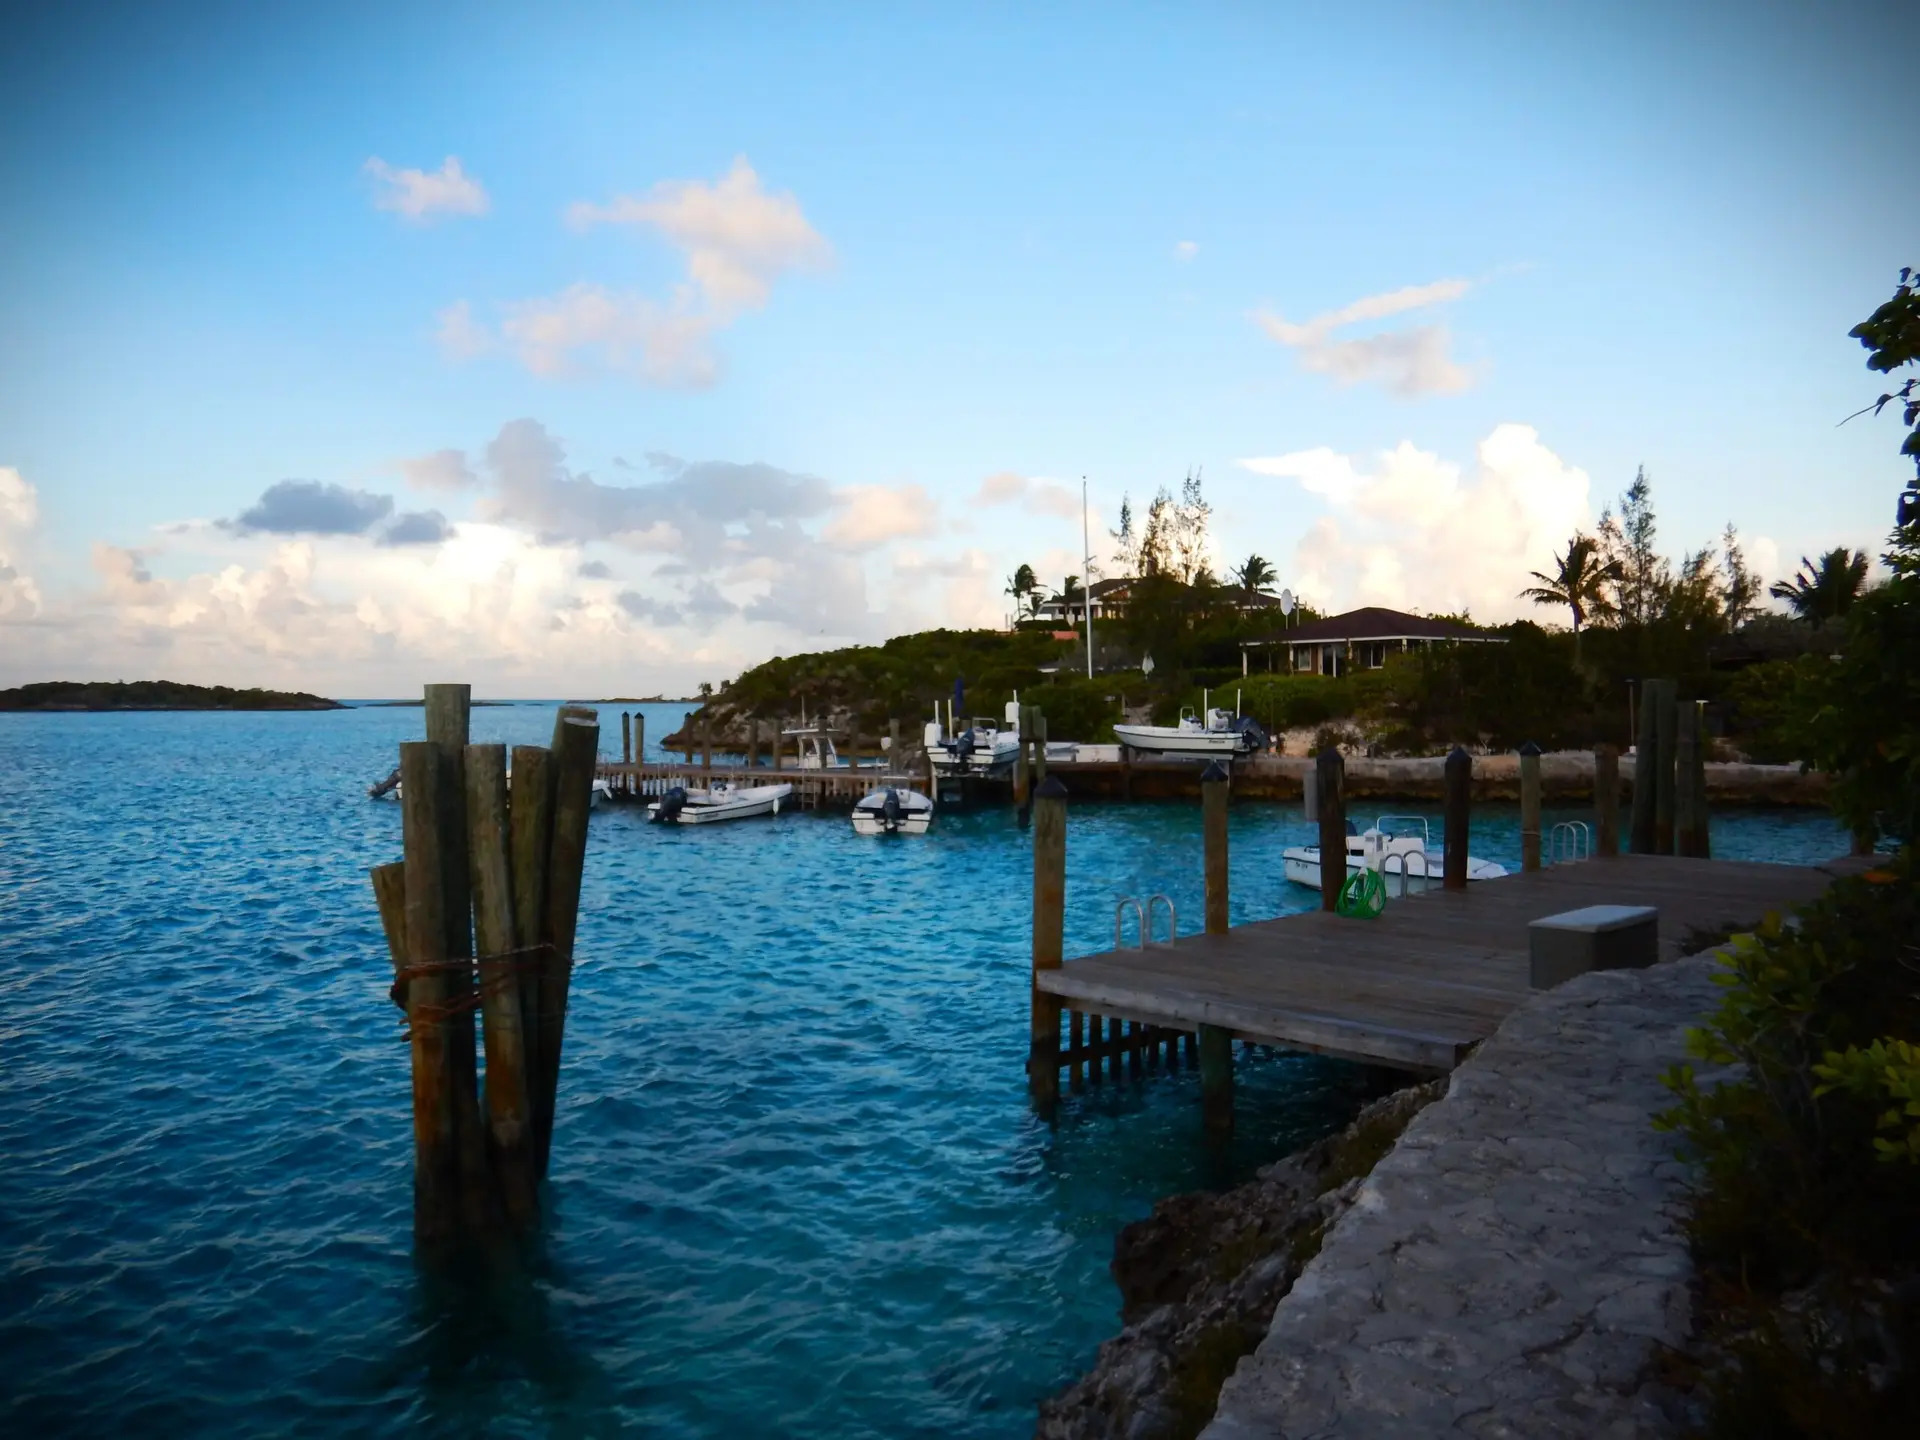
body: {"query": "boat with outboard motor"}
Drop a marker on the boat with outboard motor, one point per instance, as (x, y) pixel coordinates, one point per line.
(722, 800)
(892, 811)
(982, 748)
(1403, 850)
(1217, 736)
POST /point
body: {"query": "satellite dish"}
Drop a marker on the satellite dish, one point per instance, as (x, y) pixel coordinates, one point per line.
(1286, 602)
(1146, 666)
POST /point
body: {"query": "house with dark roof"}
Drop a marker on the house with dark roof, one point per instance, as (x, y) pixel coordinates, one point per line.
(1361, 639)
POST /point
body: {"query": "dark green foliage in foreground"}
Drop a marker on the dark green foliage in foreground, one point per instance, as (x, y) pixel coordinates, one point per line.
(1803, 1222)
(154, 695)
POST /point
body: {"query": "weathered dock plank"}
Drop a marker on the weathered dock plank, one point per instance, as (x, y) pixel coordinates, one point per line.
(1416, 987)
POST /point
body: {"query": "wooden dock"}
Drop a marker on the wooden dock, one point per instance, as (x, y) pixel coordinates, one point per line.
(1413, 988)
(836, 788)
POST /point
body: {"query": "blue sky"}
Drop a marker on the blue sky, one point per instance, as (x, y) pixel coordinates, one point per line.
(885, 285)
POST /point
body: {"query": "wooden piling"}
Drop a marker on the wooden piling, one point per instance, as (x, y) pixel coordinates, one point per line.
(436, 1167)
(531, 816)
(1049, 941)
(575, 741)
(753, 744)
(1213, 824)
(1690, 783)
(706, 742)
(779, 724)
(1665, 717)
(448, 711)
(1216, 1078)
(1039, 748)
(1702, 816)
(1646, 768)
(390, 896)
(1456, 818)
(1683, 749)
(626, 738)
(1529, 806)
(500, 965)
(1023, 730)
(1076, 1040)
(1330, 776)
(639, 738)
(1606, 800)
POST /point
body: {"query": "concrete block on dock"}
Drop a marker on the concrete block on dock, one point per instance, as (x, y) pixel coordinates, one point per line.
(1598, 937)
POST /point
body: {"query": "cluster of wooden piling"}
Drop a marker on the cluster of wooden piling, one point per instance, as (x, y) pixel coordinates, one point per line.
(481, 915)
(1091, 1039)
(1670, 775)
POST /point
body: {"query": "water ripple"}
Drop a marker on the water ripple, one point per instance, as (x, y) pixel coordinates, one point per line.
(796, 1186)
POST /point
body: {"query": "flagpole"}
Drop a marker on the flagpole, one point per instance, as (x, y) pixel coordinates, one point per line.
(1086, 574)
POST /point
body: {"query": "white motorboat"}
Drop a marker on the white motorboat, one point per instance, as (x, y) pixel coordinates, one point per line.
(1220, 735)
(893, 811)
(722, 800)
(980, 748)
(1403, 850)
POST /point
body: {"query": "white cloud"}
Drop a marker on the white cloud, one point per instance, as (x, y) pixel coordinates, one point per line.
(628, 333)
(1034, 495)
(1410, 530)
(737, 238)
(423, 195)
(19, 516)
(442, 470)
(1185, 250)
(1408, 362)
(462, 337)
(872, 515)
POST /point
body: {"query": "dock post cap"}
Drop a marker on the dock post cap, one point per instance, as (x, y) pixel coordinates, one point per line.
(1530, 749)
(1214, 771)
(1050, 789)
(1458, 757)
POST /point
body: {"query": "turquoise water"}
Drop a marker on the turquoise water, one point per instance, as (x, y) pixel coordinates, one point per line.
(796, 1187)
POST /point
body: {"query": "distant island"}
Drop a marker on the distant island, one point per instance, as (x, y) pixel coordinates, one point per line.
(420, 704)
(155, 695)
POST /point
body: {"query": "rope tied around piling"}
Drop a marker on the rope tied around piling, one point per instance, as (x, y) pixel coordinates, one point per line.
(485, 974)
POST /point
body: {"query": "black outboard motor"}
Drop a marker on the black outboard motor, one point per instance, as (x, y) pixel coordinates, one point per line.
(890, 816)
(1253, 735)
(671, 804)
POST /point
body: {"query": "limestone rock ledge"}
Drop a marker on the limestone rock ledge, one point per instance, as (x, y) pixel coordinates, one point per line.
(1200, 1277)
(1516, 1265)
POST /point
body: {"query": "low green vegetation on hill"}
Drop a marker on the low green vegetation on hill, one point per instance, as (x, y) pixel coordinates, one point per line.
(154, 695)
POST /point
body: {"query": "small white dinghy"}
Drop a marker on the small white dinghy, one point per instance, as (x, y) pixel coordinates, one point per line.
(719, 801)
(1392, 851)
(893, 811)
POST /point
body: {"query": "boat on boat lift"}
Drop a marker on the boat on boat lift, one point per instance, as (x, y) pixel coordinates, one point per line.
(893, 811)
(1214, 734)
(722, 800)
(979, 748)
(1395, 845)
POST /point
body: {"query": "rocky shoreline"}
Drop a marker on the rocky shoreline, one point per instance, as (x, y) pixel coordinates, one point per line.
(1199, 1280)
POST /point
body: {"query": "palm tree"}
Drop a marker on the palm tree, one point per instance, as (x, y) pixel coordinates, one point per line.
(1826, 590)
(1023, 587)
(1070, 595)
(1578, 582)
(1255, 574)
